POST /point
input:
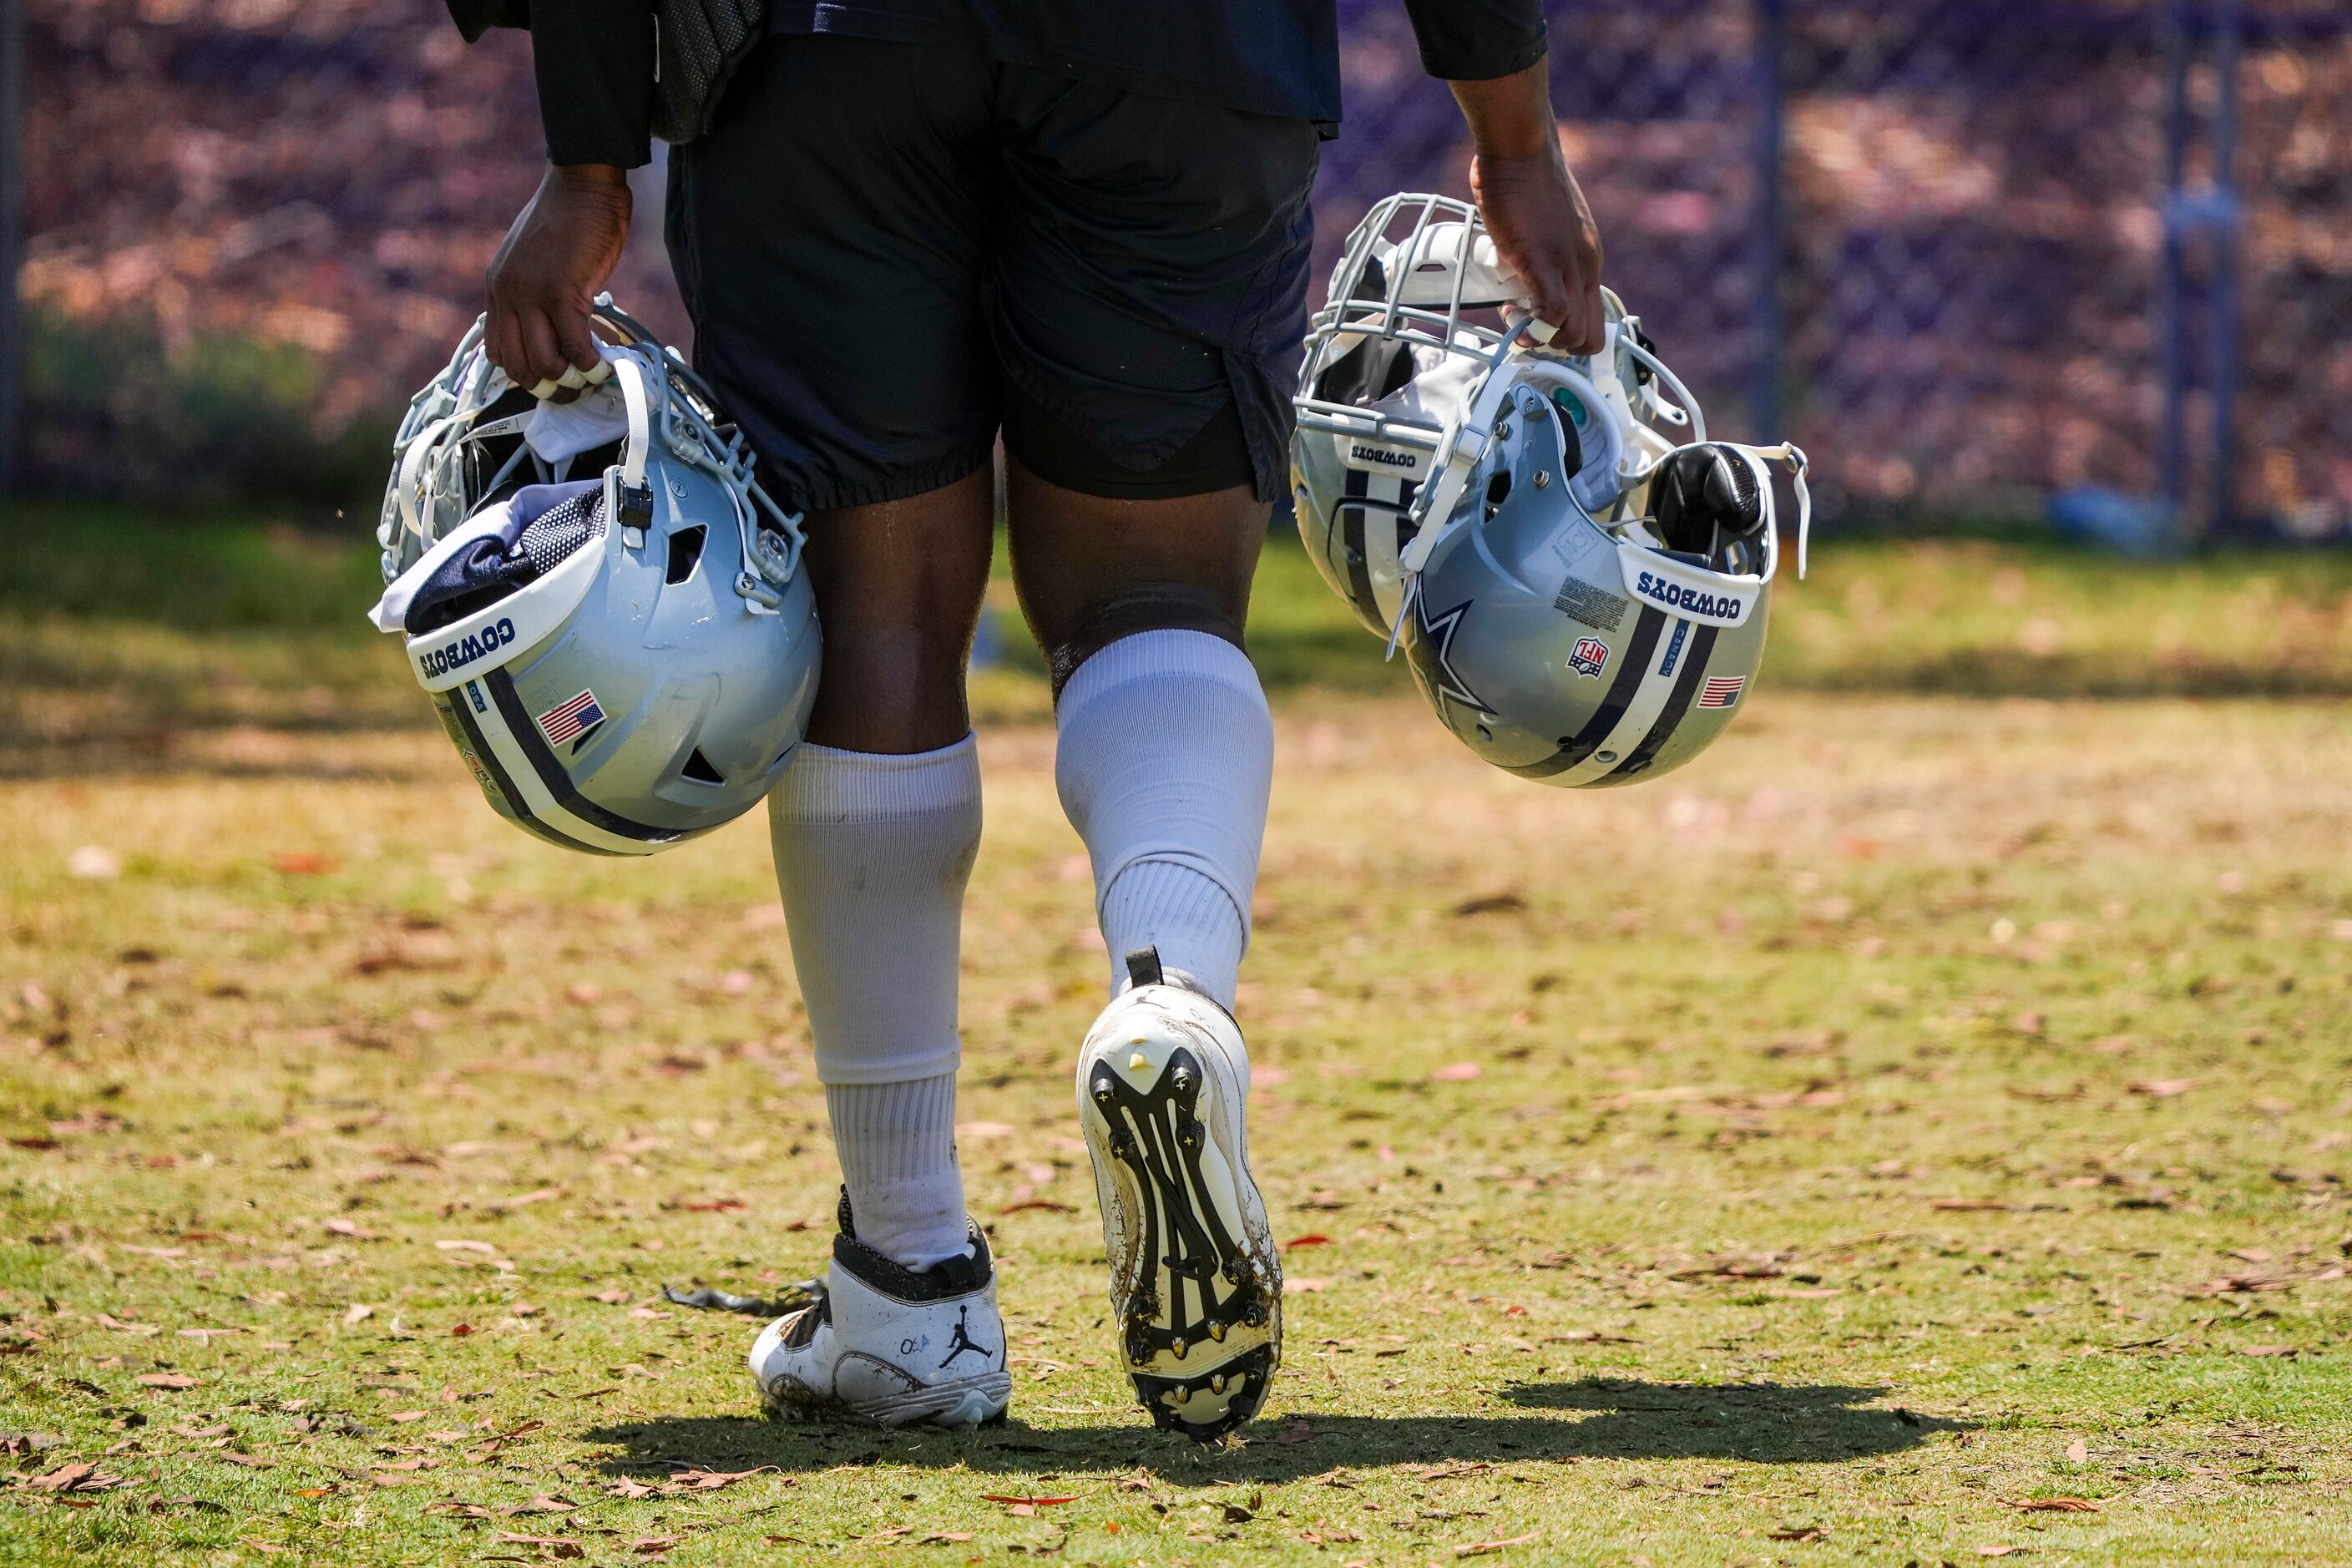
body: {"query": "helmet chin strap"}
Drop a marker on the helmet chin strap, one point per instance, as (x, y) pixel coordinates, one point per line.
(1787, 452)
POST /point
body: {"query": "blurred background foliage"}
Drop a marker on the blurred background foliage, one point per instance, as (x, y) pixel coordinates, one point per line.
(121, 633)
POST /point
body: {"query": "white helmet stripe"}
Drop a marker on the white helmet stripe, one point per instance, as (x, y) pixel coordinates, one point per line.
(511, 744)
(1381, 541)
(1624, 687)
(1661, 673)
(494, 767)
(1678, 700)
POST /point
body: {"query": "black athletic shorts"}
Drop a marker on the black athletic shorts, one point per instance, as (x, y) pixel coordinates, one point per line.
(892, 250)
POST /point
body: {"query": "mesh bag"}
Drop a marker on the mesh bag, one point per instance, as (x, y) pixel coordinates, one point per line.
(702, 41)
(551, 538)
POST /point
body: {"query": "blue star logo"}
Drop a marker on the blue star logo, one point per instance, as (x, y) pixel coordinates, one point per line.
(1430, 649)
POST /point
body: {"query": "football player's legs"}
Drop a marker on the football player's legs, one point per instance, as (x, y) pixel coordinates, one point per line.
(831, 235)
(1153, 261)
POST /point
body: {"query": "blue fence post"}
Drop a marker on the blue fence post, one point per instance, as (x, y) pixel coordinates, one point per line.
(2223, 304)
(1771, 48)
(2171, 456)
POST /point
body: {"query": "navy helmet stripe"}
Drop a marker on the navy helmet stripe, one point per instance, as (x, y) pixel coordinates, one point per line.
(1351, 539)
(550, 771)
(1637, 761)
(453, 703)
(1622, 686)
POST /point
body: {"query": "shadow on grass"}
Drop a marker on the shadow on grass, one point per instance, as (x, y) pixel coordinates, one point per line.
(1593, 1418)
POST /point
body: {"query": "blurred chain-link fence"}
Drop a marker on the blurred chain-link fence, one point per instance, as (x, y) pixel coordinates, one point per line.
(1973, 254)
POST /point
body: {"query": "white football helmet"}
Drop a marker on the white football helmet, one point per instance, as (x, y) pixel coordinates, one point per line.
(1582, 597)
(625, 658)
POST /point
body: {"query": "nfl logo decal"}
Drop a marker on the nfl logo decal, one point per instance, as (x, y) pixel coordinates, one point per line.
(1721, 690)
(1591, 654)
(571, 720)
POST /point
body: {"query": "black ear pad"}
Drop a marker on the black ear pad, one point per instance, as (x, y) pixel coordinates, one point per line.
(1703, 496)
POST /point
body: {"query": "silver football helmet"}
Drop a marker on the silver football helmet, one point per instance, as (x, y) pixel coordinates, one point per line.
(607, 609)
(1582, 596)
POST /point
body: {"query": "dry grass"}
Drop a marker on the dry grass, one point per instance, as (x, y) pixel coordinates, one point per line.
(1919, 1111)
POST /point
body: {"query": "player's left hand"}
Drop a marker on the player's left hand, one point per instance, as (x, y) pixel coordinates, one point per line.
(1545, 233)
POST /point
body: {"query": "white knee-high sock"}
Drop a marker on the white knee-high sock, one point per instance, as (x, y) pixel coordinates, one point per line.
(897, 1159)
(1166, 756)
(872, 855)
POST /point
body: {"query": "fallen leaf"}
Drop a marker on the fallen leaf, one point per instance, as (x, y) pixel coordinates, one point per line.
(2162, 1087)
(1504, 902)
(2283, 1350)
(1481, 1548)
(302, 862)
(1030, 1501)
(184, 1430)
(2078, 1452)
(654, 1545)
(2054, 1505)
(1802, 1532)
(1047, 1204)
(1237, 1514)
(357, 1312)
(2003, 1550)
(711, 1481)
(64, 1479)
(557, 1545)
(520, 1199)
(1969, 1205)
(544, 1502)
(1301, 1285)
(625, 1488)
(1457, 1072)
(167, 1380)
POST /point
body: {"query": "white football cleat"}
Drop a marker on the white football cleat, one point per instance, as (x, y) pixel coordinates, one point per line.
(1164, 1081)
(884, 1344)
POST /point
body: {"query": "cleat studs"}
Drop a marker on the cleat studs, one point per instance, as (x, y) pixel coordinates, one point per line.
(1139, 1062)
(1217, 1383)
(1177, 1347)
(1217, 1330)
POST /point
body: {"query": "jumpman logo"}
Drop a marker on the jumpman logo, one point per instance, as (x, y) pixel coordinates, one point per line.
(961, 1341)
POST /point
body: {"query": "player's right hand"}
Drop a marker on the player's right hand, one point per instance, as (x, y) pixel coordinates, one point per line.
(561, 249)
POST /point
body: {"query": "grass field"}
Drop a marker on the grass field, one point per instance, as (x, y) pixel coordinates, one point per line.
(1916, 1132)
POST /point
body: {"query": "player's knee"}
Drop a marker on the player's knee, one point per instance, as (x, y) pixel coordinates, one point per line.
(1156, 607)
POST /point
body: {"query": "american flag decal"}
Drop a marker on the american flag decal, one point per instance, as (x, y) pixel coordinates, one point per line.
(1721, 690)
(570, 720)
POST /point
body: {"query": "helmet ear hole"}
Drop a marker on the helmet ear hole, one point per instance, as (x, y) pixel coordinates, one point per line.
(699, 768)
(1498, 489)
(685, 552)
